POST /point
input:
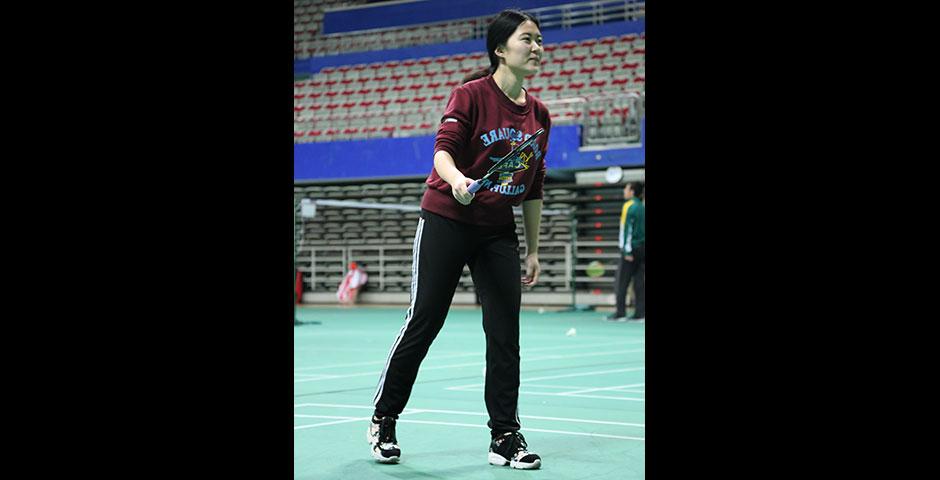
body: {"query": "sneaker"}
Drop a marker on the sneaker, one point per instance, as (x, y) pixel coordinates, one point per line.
(614, 318)
(382, 438)
(510, 448)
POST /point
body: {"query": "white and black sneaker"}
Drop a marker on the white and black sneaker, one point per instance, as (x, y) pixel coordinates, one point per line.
(510, 448)
(381, 437)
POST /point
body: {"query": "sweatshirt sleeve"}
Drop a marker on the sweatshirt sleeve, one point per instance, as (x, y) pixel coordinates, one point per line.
(456, 123)
(536, 192)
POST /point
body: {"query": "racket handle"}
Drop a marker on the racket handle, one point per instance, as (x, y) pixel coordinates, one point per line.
(475, 186)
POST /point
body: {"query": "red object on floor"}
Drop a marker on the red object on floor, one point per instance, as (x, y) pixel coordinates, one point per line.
(298, 289)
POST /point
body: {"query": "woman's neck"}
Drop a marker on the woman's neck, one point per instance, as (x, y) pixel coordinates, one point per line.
(510, 84)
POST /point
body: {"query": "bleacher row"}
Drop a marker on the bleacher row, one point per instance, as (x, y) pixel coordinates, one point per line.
(364, 231)
(406, 98)
(308, 21)
(308, 44)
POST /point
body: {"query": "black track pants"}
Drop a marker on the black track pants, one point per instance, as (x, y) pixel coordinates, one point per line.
(441, 248)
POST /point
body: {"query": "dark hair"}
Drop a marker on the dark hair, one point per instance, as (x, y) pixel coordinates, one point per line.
(637, 189)
(497, 34)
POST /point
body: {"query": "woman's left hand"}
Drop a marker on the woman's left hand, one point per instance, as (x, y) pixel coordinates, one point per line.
(532, 269)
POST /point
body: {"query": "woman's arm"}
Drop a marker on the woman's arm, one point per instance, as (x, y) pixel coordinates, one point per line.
(447, 170)
(532, 219)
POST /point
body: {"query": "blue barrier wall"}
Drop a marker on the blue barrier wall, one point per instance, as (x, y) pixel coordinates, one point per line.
(413, 156)
(315, 64)
(424, 11)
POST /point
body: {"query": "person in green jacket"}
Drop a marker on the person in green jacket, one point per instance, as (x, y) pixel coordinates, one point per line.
(632, 265)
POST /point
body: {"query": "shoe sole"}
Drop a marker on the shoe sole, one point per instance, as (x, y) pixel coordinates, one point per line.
(378, 456)
(499, 460)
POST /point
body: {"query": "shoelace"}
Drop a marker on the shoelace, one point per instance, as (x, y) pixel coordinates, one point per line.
(387, 431)
(516, 444)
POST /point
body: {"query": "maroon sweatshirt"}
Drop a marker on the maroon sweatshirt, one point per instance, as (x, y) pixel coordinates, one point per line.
(479, 126)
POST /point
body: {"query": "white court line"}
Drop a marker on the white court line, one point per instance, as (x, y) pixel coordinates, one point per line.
(477, 414)
(598, 389)
(347, 419)
(304, 415)
(563, 432)
(629, 399)
(301, 427)
(578, 387)
(525, 351)
(549, 394)
(477, 364)
(568, 375)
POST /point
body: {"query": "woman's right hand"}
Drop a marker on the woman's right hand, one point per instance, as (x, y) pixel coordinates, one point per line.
(459, 189)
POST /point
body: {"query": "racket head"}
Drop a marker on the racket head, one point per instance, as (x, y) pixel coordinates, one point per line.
(514, 153)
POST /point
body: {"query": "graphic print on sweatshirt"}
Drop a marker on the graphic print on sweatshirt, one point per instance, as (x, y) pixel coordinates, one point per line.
(503, 184)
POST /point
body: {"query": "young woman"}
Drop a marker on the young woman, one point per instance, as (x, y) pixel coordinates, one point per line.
(485, 119)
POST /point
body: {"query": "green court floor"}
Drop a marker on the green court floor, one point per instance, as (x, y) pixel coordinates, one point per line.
(581, 401)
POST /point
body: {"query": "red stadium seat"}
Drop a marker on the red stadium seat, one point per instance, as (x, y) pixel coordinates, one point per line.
(566, 73)
(588, 70)
(383, 102)
(599, 56)
(437, 98)
(381, 90)
(588, 43)
(608, 68)
(366, 103)
(364, 91)
(314, 133)
(379, 78)
(608, 40)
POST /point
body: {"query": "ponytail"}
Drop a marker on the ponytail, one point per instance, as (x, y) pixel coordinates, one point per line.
(478, 74)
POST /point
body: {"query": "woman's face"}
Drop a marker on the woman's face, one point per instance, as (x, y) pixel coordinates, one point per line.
(523, 50)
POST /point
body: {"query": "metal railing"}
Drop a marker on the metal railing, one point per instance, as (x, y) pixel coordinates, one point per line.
(563, 16)
(368, 254)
